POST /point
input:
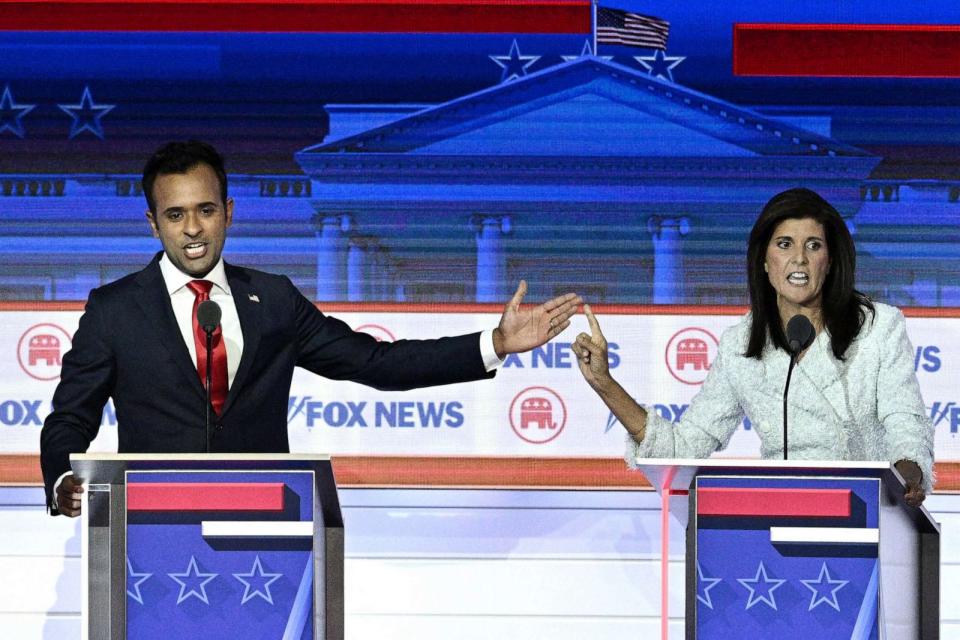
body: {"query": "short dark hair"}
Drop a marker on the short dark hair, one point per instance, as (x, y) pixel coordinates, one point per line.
(181, 157)
(844, 308)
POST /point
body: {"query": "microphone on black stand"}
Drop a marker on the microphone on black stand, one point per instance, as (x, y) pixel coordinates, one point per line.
(800, 335)
(208, 317)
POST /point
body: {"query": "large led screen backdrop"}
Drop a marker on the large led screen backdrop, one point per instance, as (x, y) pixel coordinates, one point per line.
(435, 152)
(537, 406)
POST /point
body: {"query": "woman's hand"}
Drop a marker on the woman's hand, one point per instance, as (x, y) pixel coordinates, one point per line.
(591, 350)
(913, 493)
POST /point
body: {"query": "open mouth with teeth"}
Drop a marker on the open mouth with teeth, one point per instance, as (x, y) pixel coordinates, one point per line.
(195, 250)
(798, 278)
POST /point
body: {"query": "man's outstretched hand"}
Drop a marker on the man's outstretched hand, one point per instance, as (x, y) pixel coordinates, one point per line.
(522, 329)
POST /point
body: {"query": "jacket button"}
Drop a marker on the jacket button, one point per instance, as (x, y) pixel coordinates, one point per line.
(219, 427)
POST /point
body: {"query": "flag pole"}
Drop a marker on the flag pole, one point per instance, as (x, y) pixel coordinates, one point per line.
(593, 24)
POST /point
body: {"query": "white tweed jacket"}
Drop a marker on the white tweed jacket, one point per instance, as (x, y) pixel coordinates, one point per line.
(866, 407)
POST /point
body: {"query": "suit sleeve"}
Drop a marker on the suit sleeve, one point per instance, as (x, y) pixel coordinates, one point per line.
(907, 430)
(86, 382)
(706, 426)
(328, 347)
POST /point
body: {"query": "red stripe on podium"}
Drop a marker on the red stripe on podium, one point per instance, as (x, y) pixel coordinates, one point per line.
(300, 16)
(205, 496)
(847, 50)
(760, 503)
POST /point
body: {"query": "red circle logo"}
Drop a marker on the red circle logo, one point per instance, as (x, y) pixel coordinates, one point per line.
(382, 334)
(41, 349)
(690, 353)
(538, 415)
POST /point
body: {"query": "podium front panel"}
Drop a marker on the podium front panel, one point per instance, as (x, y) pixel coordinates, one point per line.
(791, 558)
(220, 554)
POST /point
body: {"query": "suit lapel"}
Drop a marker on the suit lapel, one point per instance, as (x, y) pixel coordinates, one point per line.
(248, 310)
(775, 372)
(816, 386)
(822, 375)
(154, 301)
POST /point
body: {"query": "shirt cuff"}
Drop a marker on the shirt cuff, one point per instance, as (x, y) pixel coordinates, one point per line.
(56, 485)
(491, 360)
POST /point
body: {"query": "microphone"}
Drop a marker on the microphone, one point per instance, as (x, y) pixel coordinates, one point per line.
(208, 317)
(800, 335)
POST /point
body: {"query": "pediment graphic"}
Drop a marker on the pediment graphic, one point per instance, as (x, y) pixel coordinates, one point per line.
(591, 124)
(587, 107)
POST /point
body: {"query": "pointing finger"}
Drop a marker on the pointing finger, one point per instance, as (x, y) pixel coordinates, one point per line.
(592, 319)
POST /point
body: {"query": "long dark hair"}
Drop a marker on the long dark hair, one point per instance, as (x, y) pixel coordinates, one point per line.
(844, 308)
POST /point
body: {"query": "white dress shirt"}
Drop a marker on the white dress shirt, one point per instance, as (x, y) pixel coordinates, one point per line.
(182, 300)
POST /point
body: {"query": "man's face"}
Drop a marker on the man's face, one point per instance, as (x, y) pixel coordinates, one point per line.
(191, 221)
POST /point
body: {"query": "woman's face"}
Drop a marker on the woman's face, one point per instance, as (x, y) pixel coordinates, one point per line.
(797, 263)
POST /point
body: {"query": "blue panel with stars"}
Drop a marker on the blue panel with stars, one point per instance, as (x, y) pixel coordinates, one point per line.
(772, 590)
(181, 584)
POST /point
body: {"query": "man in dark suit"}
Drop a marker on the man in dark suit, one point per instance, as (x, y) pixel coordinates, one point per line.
(140, 343)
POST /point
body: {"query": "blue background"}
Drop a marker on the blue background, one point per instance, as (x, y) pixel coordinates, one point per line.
(567, 179)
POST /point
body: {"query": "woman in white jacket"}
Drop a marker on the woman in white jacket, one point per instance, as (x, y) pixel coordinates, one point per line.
(854, 394)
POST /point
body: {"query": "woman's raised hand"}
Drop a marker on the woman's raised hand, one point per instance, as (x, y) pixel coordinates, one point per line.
(591, 351)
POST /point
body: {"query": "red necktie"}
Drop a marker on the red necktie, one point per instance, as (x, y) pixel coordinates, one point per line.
(218, 377)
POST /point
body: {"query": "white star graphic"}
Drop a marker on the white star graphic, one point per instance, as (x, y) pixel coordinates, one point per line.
(705, 598)
(133, 590)
(11, 113)
(86, 115)
(586, 52)
(513, 64)
(767, 596)
(660, 64)
(193, 574)
(257, 573)
(814, 585)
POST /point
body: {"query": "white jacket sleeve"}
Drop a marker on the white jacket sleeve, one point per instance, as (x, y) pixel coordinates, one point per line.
(907, 429)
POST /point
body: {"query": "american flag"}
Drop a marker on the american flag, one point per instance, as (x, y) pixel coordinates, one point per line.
(615, 26)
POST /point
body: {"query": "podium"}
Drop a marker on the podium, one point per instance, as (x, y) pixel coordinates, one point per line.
(799, 549)
(210, 546)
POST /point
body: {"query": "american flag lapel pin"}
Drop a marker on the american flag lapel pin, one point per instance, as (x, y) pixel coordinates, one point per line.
(253, 297)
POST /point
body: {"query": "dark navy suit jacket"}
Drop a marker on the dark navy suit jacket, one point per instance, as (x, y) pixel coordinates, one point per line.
(128, 347)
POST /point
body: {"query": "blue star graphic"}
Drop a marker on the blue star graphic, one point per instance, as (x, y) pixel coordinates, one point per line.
(710, 582)
(257, 574)
(660, 64)
(817, 587)
(586, 52)
(765, 590)
(514, 65)
(86, 115)
(193, 575)
(11, 113)
(134, 580)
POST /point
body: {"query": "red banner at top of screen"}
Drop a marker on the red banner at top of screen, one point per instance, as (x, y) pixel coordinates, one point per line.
(300, 16)
(846, 50)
